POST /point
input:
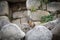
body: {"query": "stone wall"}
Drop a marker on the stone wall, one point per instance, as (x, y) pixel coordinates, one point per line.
(19, 13)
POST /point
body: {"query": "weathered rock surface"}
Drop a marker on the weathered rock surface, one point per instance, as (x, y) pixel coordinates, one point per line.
(17, 22)
(24, 20)
(52, 24)
(23, 25)
(19, 14)
(53, 6)
(3, 21)
(56, 30)
(32, 3)
(39, 33)
(37, 14)
(37, 23)
(11, 31)
(20, 21)
(4, 9)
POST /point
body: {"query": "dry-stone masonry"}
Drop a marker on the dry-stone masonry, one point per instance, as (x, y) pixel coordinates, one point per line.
(4, 9)
(20, 21)
(17, 22)
(39, 33)
(20, 14)
(3, 21)
(37, 14)
(10, 31)
(24, 26)
(53, 6)
(21, 17)
(32, 4)
(24, 20)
